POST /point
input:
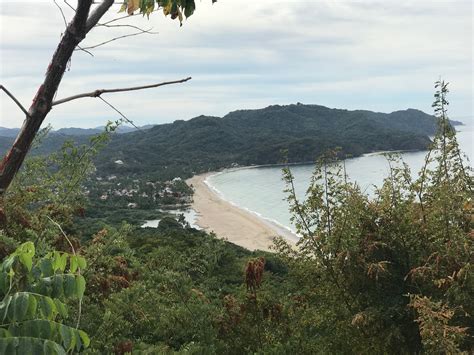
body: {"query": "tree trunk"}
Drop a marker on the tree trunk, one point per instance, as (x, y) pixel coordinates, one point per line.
(42, 103)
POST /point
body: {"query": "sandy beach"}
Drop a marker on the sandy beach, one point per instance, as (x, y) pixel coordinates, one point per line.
(230, 222)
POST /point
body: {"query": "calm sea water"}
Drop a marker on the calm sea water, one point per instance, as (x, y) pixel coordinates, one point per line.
(260, 190)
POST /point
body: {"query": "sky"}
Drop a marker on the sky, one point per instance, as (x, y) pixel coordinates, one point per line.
(376, 55)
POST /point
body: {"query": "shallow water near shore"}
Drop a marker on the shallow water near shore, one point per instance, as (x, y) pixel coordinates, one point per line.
(260, 189)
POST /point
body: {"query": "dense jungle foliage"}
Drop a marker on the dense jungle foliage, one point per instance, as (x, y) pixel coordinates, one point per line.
(390, 275)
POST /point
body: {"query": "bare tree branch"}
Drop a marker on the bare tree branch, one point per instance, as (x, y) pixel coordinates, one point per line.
(14, 100)
(62, 12)
(119, 37)
(70, 6)
(124, 25)
(123, 18)
(79, 312)
(97, 93)
(65, 25)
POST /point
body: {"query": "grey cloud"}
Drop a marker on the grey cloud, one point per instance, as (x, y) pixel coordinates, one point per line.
(353, 54)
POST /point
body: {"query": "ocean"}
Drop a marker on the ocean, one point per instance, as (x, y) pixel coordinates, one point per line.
(260, 189)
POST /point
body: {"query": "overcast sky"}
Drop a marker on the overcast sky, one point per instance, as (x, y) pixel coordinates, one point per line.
(376, 55)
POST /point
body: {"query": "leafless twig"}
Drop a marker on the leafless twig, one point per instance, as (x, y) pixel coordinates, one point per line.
(121, 37)
(63, 233)
(70, 6)
(123, 18)
(120, 113)
(62, 12)
(16, 101)
(127, 26)
(79, 311)
(98, 93)
(65, 24)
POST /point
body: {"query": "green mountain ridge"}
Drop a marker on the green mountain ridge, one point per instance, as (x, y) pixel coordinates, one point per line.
(248, 137)
(253, 137)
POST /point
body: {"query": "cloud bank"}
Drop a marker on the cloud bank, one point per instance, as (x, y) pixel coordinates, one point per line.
(375, 55)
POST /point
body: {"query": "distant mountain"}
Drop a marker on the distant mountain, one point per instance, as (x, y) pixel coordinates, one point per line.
(9, 132)
(56, 138)
(247, 137)
(72, 131)
(91, 131)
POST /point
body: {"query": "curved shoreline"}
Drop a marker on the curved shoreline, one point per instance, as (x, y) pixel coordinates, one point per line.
(237, 225)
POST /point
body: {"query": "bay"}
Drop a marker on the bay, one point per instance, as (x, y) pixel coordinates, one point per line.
(260, 189)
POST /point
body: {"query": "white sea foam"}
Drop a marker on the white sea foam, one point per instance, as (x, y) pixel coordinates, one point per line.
(285, 231)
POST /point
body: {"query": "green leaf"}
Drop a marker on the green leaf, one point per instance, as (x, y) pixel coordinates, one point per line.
(67, 336)
(46, 267)
(4, 307)
(4, 334)
(25, 346)
(80, 286)
(19, 307)
(51, 348)
(85, 338)
(57, 281)
(32, 306)
(73, 264)
(25, 253)
(26, 248)
(8, 262)
(61, 308)
(47, 307)
(59, 261)
(81, 261)
(45, 329)
(26, 260)
(189, 9)
(4, 283)
(18, 345)
(69, 285)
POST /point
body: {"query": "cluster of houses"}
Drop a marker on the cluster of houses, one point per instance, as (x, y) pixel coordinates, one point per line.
(136, 191)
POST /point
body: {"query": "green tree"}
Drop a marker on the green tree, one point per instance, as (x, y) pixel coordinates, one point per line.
(390, 274)
(32, 309)
(85, 19)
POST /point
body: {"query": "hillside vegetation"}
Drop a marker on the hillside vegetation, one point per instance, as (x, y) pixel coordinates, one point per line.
(389, 275)
(247, 137)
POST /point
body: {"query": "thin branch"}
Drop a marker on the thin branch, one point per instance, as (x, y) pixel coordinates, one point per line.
(121, 37)
(62, 12)
(63, 233)
(16, 101)
(124, 17)
(70, 6)
(79, 311)
(120, 113)
(65, 25)
(84, 50)
(126, 25)
(98, 93)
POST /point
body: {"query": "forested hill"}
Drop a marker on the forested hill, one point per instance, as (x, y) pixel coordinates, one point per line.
(247, 137)
(258, 136)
